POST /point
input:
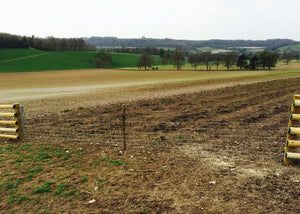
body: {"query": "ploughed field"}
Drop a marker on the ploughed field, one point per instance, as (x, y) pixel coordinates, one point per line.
(55, 91)
(209, 151)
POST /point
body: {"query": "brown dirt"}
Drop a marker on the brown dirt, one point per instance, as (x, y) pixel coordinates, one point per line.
(55, 91)
(212, 151)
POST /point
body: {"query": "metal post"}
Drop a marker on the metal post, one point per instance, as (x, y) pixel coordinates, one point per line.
(124, 126)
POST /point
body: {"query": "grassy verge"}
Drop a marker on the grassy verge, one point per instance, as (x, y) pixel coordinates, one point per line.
(32, 177)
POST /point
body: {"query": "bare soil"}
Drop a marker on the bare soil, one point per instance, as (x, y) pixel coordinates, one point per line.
(55, 91)
(209, 151)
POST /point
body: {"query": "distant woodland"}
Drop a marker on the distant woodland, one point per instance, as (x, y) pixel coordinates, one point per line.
(270, 44)
(47, 44)
(53, 44)
(159, 47)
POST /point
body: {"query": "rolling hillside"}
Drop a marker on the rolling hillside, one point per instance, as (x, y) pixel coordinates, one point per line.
(293, 48)
(22, 60)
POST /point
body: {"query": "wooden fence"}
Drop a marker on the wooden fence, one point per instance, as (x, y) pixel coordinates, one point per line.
(12, 118)
(292, 141)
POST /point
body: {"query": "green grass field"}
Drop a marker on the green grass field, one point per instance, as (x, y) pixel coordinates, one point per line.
(22, 60)
(124, 60)
(294, 48)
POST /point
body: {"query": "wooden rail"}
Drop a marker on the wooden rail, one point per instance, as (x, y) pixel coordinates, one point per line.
(15, 125)
(291, 151)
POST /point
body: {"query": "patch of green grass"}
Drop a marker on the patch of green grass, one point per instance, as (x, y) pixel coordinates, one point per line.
(85, 179)
(102, 180)
(12, 211)
(22, 198)
(61, 188)
(66, 110)
(160, 138)
(206, 49)
(11, 184)
(69, 193)
(115, 163)
(33, 172)
(11, 199)
(9, 174)
(41, 156)
(121, 60)
(48, 153)
(293, 48)
(19, 198)
(162, 100)
(101, 160)
(182, 138)
(18, 160)
(9, 148)
(25, 147)
(109, 161)
(44, 188)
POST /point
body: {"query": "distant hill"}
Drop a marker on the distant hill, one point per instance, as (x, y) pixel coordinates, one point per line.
(190, 44)
(292, 48)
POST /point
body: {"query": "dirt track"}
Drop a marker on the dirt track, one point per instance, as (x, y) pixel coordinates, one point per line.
(216, 151)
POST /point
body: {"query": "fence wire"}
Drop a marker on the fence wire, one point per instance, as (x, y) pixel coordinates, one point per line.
(158, 132)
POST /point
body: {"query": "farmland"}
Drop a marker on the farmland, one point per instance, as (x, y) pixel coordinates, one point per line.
(105, 86)
(197, 142)
(293, 48)
(25, 60)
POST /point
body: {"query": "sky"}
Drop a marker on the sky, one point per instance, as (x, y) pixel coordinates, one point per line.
(176, 19)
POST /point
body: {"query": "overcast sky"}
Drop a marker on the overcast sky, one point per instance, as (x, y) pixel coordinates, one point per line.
(177, 19)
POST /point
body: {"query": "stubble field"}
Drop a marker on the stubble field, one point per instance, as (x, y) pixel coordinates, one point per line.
(194, 145)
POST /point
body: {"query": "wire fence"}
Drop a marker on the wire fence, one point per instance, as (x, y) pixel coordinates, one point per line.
(159, 132)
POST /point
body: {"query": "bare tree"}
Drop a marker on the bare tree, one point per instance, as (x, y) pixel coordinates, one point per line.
(288, 56)
(217, 58)
(177, 58)
(206, 58)
(145, 60)
(194, 60)
(230, 59)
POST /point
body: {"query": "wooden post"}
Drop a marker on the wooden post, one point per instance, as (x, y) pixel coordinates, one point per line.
(19, 111)
(293, 131)
(18, 121)
(124, 126)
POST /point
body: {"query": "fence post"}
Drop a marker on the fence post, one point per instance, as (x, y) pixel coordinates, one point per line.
(19, 110)
(292, 142)
(124, 126)
(18, 121)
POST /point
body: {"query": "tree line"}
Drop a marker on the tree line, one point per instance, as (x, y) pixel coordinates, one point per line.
(177, 57)
(49, 44)
(270, 44)
(150, 50)
(252, 61)
(263, 60)
(245, 59)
